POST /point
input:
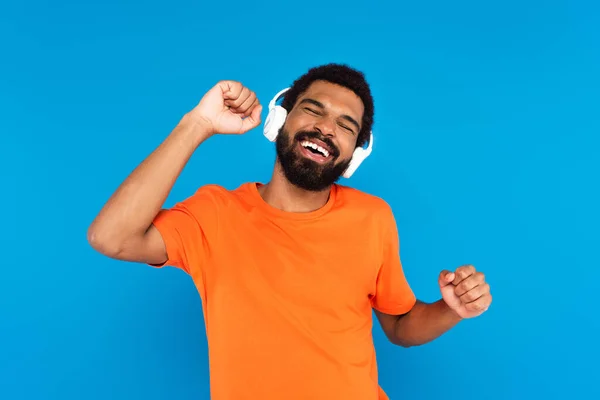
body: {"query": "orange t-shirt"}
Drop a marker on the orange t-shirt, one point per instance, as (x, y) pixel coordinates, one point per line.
(288, 297)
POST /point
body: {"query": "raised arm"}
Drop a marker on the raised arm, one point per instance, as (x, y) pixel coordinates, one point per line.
(123, 228)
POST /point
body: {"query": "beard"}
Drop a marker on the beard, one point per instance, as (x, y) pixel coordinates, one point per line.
(305, 173)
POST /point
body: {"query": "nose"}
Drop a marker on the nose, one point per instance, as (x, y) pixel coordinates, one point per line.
(325, 126)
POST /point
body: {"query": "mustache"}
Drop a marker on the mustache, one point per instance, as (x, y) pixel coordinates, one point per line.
(305, 135)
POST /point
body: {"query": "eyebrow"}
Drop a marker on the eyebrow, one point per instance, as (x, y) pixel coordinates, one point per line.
(320, 105)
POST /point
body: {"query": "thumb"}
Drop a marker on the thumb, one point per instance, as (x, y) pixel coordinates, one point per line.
(253, 120)
(446, 277)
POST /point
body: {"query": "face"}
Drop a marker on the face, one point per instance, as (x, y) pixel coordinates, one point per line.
(315, 145)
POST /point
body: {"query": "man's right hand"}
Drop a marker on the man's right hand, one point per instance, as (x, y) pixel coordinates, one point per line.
(227, 108)
(124, 227)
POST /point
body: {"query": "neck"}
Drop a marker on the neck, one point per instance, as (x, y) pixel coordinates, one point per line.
(281, 194)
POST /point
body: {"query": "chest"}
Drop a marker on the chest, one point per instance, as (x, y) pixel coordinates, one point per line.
(323, 265)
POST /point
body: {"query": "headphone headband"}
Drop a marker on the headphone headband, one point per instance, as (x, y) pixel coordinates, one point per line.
(276, 97)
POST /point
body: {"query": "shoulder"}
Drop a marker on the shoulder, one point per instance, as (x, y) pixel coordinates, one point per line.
(212, 190)
(366, 206)
(370, 214)
(218, 194)
(357, 199)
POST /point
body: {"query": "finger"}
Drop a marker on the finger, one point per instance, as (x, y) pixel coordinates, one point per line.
(481, 304)
(474, 293)
(231, 89)
(249, 110)
(253, 120)
(239, 99)
(469, 283)
(462, 273)
(445, 278)
(234, 104)
(245, 106)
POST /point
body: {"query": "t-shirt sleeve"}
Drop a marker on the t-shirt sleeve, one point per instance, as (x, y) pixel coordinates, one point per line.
(393, 294)
(188, 230)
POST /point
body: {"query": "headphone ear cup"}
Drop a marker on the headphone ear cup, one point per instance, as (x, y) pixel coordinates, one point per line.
(359, 155)
(274, 122)
(357, 158)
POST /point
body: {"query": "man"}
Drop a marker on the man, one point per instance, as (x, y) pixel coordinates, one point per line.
(289, 271)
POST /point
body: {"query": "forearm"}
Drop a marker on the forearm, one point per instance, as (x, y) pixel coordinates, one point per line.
(424, 323)
(134, 205)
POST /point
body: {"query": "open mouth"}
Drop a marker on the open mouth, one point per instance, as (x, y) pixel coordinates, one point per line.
(314, 151)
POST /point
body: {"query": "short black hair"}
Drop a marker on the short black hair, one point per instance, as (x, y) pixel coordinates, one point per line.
(339, 74)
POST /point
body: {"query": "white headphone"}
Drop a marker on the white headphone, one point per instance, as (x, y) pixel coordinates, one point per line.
(276, 119)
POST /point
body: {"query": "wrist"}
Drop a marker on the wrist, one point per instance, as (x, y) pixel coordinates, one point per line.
(197, 130)
(450, 312)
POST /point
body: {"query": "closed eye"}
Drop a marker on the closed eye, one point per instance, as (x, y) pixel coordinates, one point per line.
(347, 128)
(310, 110)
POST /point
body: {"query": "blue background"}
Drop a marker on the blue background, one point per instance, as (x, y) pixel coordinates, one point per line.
(487, 124)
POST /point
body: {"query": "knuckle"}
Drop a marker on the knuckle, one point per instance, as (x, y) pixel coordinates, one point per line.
(463, 287)
(236, 88)
(468, 297)
(480, 306)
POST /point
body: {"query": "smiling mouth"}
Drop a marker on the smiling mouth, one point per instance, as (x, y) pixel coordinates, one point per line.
(315, 152)
(315, 148)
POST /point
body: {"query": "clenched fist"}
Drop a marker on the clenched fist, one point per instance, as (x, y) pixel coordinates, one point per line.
(465, 291)
(228, 108)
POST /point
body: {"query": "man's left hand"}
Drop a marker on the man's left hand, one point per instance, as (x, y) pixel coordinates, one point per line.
(465, 291)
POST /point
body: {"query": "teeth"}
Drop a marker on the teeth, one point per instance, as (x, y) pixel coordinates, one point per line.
(315, 146)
